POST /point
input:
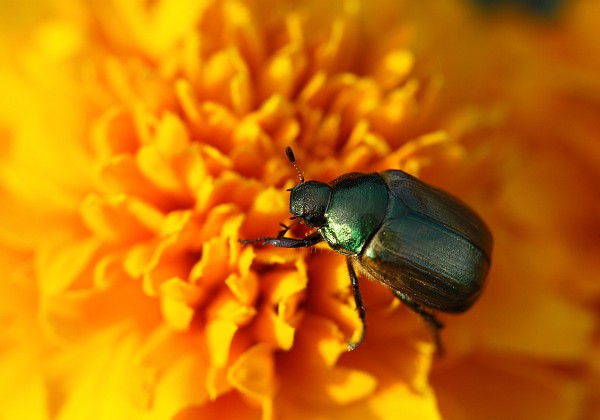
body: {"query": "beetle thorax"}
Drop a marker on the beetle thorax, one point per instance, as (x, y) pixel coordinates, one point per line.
(309, 201)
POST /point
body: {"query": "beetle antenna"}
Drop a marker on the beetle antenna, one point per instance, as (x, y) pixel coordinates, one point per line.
(290, 155)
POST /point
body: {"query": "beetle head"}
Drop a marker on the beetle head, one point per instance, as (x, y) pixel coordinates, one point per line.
(309, 201)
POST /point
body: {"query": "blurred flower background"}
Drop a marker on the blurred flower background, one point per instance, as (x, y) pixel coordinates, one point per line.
(141, 140)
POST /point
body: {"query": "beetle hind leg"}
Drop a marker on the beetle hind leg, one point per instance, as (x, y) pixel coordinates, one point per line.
(359, 306)
(431, 320)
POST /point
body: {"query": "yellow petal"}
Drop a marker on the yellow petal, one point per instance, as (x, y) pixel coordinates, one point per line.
(60, 266)
(219, 333)
(119, 218)
(245, 289)
(319, 342)
(177, 300)
(254, 373)
(114, 133)
(27, 400)
(394, 67)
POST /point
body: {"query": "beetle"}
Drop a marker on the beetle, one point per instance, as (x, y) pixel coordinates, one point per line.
(431, 249)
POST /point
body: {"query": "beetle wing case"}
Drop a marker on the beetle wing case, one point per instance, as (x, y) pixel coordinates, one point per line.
(431, 246)
(439, 206)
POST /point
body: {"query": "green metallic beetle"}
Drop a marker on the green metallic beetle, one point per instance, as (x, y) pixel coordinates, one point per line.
(428, 247)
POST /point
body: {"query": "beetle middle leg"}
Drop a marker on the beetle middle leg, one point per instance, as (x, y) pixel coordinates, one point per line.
(359, 305)
(431, 320)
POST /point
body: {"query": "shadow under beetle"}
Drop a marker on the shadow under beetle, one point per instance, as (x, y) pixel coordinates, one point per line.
(427, 246)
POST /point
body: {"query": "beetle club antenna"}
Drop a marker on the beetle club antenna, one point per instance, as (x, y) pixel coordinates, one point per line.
(290, 155)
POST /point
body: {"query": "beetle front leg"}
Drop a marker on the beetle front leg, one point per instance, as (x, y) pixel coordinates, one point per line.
(431, 320)
(359, 305)
(311, 240)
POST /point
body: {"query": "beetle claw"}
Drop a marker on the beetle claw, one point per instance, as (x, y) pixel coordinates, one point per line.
(353, 344)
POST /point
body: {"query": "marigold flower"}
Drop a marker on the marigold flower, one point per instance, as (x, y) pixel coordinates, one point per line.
(142, 140)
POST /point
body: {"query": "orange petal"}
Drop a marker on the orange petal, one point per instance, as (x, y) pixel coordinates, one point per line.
(272, 329)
